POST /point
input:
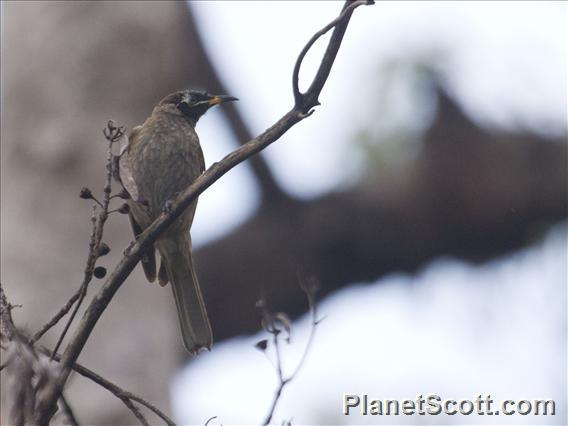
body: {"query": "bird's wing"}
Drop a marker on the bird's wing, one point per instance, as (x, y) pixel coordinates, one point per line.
(125, 172)
(149, 258)
(124, 169)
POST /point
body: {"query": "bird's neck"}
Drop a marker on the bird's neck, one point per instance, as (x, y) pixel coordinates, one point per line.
(181, 119)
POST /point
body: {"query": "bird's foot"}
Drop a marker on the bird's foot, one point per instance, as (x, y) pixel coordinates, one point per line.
(168, 205)
(128, 249)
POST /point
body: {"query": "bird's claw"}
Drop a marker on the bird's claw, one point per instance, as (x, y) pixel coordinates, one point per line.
(127, 250)
(168, 205)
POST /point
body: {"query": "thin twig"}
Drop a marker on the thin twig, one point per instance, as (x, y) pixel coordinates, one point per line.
(33, 379)
(182, 202)
(87, 277)
(112, 134)
(315, 322)
(278, 358)
(135, 411)
(125, 396)
(209, 420)
(283, 381)
(81, 293)
(78, 294)
(12, 334)
(62, 312)
(269, 187)
(343, 18)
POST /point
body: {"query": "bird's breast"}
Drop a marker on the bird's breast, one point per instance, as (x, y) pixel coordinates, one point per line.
(165, 157)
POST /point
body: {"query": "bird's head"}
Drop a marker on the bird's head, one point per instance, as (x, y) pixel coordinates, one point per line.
(191, 104)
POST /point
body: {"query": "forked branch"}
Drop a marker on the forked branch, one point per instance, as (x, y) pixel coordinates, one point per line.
(18, 346)
(305, 101)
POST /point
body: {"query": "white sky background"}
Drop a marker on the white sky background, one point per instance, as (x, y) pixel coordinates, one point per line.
(455, 329)
(506, 63)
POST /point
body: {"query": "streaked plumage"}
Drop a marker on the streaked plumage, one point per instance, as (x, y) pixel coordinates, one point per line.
(162, 158)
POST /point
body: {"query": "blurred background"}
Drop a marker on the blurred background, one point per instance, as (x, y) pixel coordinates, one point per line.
(427, 195)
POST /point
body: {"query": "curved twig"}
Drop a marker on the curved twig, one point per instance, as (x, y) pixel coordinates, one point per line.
(209, 420)
(310, 293)
(343, 18)
(269, 188)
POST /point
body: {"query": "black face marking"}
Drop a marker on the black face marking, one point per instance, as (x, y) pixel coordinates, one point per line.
(192, 104)
(196, 96)
(191, 98)
(184, 108)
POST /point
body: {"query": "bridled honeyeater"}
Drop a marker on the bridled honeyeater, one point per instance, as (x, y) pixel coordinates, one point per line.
(162, 158)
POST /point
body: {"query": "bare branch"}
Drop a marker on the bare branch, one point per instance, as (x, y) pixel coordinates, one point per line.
(211, 175)
(32, 378)
(269, 187)
(309, 288)
(307, 100)
(112, 134)
(11, 334)
(82, 291)
(209, 420)
(63, 311)
(125, 396)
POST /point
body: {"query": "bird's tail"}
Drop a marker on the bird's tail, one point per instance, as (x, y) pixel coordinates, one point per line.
(193, 320)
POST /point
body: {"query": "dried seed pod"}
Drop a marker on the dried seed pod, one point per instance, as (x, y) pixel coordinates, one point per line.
(261, 345)
(104, 249)
(99, 272)
(124, 209)
(86, 193)
(124, 194)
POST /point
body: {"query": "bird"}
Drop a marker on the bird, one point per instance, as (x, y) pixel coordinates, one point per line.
(162, 157)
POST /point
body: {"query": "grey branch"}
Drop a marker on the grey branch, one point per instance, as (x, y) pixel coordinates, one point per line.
(112, 134)
(309, 286)
(29, 353)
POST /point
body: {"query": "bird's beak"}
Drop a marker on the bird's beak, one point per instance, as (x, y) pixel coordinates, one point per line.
(219, 99)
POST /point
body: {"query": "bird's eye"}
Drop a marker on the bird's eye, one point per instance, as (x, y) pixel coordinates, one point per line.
(184, 108)
(198, 97)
